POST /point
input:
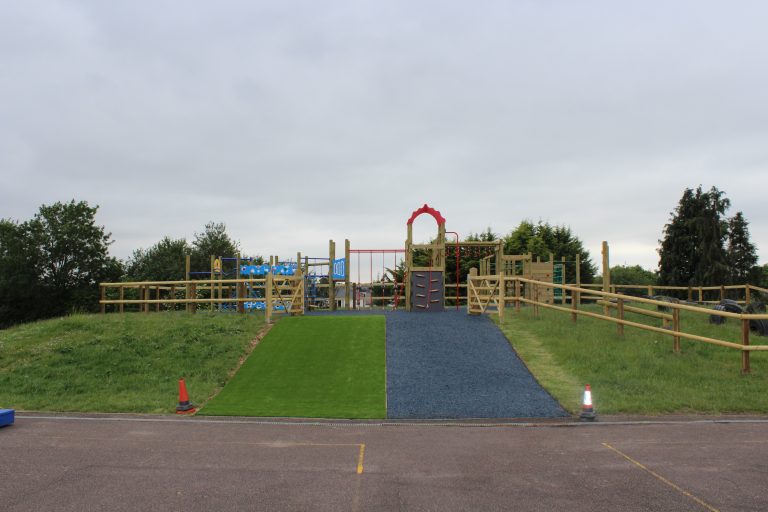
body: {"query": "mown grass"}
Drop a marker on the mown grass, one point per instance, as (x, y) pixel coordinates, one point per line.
(120, 363)
(639, 373)
(313, 367)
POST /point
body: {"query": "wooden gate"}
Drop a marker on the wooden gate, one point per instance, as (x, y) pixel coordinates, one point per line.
(284, 294)
(484, 292)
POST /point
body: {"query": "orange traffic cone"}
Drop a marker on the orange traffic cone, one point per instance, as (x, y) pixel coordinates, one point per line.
(184, 407)
(587, 411)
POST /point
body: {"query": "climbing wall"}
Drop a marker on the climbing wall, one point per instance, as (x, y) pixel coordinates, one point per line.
(427, 291)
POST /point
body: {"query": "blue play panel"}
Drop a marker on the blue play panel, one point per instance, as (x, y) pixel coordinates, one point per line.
(6, 417)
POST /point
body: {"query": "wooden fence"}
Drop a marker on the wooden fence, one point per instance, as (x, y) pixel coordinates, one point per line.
(702, 294)
(494, 293)
(275, 294)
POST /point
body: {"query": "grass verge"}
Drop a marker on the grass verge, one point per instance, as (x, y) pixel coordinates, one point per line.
(638, 373)
(120, 363)
(313, 367)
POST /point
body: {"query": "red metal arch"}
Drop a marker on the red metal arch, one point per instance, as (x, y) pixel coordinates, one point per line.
(427, 209)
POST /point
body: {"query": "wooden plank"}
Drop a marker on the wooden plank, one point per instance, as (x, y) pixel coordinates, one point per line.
(745, 342)
(646, 327)
(606, 272)
(347, 290)
(331, 282)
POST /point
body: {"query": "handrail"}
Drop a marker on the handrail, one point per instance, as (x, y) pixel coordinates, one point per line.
(481, 286)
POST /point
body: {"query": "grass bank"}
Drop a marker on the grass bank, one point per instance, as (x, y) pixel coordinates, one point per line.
(120, 363)
(638, 373)
(313, 367)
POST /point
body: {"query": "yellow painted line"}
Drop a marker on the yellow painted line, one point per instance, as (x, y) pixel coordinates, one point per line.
(659, 477)
(360, 459)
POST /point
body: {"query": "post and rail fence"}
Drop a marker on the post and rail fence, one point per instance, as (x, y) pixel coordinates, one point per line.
(273, 294)
(493, 293)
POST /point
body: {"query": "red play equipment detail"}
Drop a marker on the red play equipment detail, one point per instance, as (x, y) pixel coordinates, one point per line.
(427, 209)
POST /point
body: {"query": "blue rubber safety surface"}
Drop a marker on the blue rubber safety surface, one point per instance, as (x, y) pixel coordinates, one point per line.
(453, 365)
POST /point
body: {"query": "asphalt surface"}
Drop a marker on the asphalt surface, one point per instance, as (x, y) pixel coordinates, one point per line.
(161, 463)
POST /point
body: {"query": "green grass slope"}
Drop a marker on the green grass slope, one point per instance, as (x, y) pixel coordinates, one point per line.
(639, 373)
(314, 367)
(120, 363)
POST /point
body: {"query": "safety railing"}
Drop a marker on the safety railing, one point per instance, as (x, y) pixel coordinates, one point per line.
(743, 293)
(272, 294)
(494, 293)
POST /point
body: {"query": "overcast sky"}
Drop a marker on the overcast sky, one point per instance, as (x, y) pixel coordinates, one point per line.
(296, 122)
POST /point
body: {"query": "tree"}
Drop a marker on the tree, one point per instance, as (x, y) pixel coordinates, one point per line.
(741, 253)
(213, 241)
(543, 239)
(53, 263)
(637, 275)
(20, 295)
(71, 255)
(692, 252)
(164, 261)
(625, 274)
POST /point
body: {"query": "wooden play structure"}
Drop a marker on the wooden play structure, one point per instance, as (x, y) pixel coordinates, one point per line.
(412, 277)
(417, 283)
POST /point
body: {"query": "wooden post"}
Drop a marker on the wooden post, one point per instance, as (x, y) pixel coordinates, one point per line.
(501, 288)
(563, 300)
(240, 294)
(470, 297)
(690, 294)
(650, 291)
(574, 307)
(517, 295)
(676, 328)
(300, 271)
(103, 295)
(620, 315)
(701, 294)
(606, 275)
(347, 289)
(157, 296)
(578, 277)
(499, 254)
(122, 298)
(187, 294)
(173, 297)
(192, 289)
(239, 287)
(535, 300)
(145, 297)
(268, 306)
(331, 283)
(212, 284)
(745, 341)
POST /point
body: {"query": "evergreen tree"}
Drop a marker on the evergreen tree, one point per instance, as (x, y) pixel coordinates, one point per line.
(213, 241)
(741, 253)
(164, 261)
(543, 239)
(692, 251)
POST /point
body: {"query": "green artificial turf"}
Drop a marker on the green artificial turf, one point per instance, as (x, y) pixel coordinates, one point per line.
(120, 362)
(313, 367)
(638, 373)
